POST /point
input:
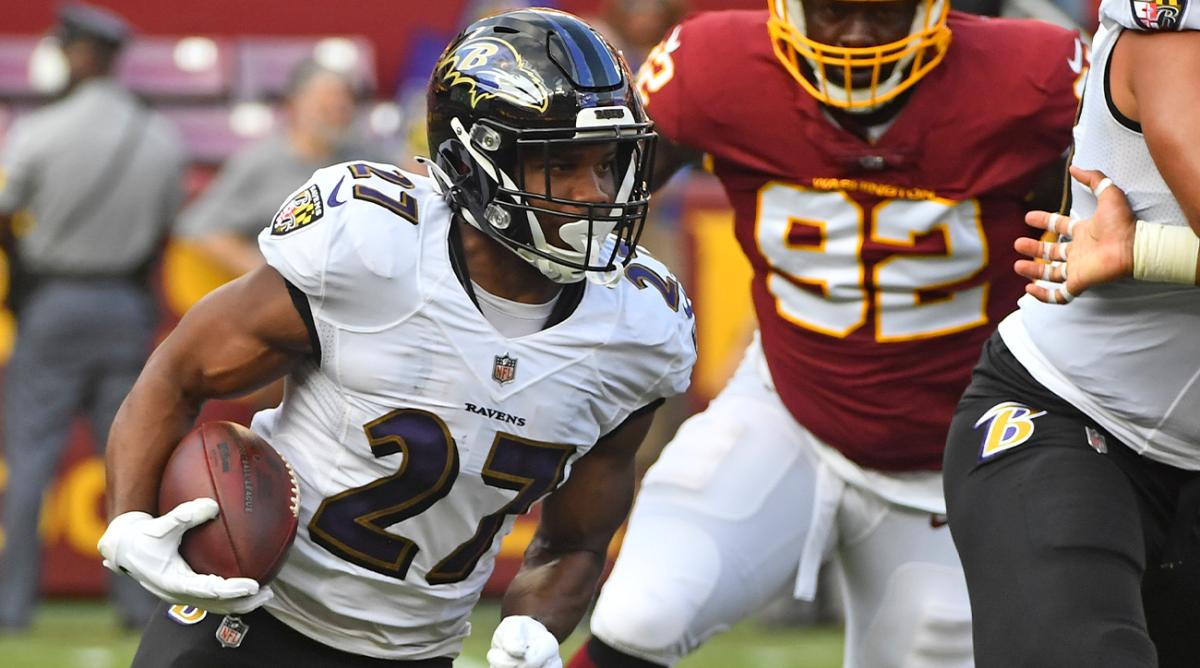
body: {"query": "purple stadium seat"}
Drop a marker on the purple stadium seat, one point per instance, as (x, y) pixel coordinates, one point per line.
(179, 68)
(160, 68)
(264, 63)
(214, 132)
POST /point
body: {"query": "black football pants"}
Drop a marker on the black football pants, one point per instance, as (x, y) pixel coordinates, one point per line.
(1077, 551)
(174, 640)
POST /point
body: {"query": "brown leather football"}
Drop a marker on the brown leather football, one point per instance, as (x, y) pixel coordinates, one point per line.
(256, 490)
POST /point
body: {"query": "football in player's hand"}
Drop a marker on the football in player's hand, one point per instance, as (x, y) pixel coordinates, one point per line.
(255, 489)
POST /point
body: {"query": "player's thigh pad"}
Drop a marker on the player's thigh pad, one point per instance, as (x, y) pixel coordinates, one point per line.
(907, 604)
(717, 530)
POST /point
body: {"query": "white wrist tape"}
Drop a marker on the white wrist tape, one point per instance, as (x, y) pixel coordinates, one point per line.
(1165, 253)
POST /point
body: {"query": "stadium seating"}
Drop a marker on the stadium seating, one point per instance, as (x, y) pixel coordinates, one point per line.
(214, 132)
(264, 63)
(219, 91)
(195, 69)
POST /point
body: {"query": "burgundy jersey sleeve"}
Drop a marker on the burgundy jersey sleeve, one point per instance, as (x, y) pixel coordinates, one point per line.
(676, 80)
(1061, 66)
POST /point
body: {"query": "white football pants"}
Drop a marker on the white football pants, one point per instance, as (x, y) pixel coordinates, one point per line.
(744, 503)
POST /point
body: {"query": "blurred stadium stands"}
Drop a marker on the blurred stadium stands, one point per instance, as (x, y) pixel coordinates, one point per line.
(163, 69)
(220, 85)
(219, 91)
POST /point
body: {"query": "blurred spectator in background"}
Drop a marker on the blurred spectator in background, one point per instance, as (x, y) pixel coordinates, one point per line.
(225, 220)
(635, 26)
(425, 47)
(100, 175)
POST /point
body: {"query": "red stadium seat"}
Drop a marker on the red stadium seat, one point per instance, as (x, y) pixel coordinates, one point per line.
(264, 63)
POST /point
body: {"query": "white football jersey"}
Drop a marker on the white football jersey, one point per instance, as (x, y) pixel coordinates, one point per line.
(1125, 353)
(422, 432)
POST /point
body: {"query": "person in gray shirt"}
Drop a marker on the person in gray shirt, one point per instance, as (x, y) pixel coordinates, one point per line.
(225, 220)
(100, 176)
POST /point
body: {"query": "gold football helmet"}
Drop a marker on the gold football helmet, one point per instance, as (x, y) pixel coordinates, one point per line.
(912, 57)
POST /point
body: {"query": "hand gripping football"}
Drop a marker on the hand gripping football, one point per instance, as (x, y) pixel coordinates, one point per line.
(256, 490)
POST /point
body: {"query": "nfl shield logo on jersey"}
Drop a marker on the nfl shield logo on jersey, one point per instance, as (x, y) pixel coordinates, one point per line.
(232, 631)
(505, 369)
(1096, 440)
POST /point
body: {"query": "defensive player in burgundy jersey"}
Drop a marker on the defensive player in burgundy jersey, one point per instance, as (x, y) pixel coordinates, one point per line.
(878, 156)
(456, 347)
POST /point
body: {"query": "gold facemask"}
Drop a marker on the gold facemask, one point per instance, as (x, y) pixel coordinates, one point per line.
(913, 57)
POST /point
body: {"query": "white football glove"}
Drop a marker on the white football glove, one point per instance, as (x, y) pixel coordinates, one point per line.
(522, 642)
(147, 549)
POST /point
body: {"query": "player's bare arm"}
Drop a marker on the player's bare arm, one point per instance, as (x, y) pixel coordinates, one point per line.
(239, 338)
(1152, 76)
(564, 561)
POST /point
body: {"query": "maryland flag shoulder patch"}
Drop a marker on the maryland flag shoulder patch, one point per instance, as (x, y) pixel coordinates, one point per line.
(1159, 14)
(302, 210)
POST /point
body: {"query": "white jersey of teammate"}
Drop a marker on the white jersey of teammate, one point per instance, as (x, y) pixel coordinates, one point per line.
(1124, 353)
(422, 431)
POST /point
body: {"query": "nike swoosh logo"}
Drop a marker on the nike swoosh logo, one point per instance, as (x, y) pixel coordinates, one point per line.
(333, 200)
(1076, 63)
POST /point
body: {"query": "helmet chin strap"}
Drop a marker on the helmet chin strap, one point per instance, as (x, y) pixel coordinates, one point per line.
(442, 181)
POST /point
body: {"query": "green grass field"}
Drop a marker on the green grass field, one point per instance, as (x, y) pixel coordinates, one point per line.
(84, 635)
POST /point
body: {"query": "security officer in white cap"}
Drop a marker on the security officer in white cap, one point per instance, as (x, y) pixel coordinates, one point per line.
(100, 176)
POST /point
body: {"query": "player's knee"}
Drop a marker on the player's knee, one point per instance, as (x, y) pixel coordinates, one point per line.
(647, 623)
(923, 621)
(648, 608)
